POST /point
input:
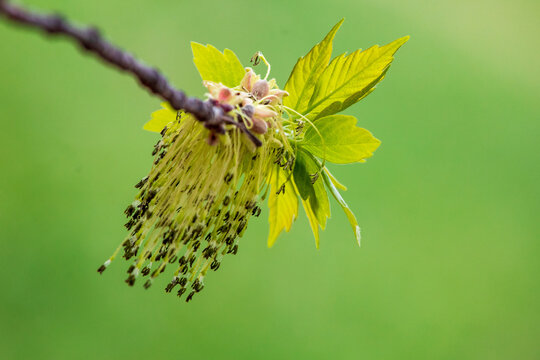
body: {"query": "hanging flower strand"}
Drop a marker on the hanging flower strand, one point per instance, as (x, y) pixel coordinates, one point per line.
(205, 185)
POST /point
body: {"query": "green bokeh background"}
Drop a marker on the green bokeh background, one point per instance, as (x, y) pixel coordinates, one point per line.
(449, 204)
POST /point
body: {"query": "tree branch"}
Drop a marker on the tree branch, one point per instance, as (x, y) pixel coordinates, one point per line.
(212, 116)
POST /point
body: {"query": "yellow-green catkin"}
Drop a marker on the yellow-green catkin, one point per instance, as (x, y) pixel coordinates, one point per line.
(196, 202)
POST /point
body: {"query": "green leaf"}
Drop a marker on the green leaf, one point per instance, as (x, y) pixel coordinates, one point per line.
(349, 78)
(334, 180)
(338, 140)
(352, 219)
(213, 65)
(313, 223)
(313, 193)
(306, 72)
(161, 118)
(283, 206)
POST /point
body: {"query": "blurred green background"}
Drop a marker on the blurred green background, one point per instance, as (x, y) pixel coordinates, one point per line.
(449, 204)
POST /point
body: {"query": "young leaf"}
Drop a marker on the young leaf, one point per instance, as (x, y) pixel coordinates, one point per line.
(352, 219)
(160, 118)
(313, 223)
(349, 78)
(311, 189)
(283, 206)
(334, 180)
(213, 65)
(342, 142)
(306, 72)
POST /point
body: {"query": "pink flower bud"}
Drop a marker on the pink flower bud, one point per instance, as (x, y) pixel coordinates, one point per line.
(260, 89)
(259, 126)
(248, 80)
(224, 94)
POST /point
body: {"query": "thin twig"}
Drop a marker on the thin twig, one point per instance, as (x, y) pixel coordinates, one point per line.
(91, 40)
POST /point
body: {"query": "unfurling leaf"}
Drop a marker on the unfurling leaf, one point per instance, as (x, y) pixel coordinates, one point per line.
(335, 181)
(349, 78)
(282, 203)
(216, 66)
(306, 72)
(311, 189)
(338, 140)
(352, 219)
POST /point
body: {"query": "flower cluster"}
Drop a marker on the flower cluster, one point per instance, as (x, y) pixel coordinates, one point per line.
(204, 187)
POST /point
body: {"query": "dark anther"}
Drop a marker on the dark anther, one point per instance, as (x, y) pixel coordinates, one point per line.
(181, 291)
(215, 265)
(182, 260)
(147, 284)
(145, 271)
(129, 210)
(240, 227)
(209, 251)
(228, 178)
(130, 269)
(196, 245)
(233, 250)
(229, 240)
(136, 214)
(170, 286)
(142, 182)
(256, 59)
(256, 211)
(226, 201)
(151, 194)
(190, 296)
(173, 259)
(182, 281)
(314, 177)
(131, 280)
(101, 269)
(137, 228)
(197, 285)
(129, 224)
(191, 260)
